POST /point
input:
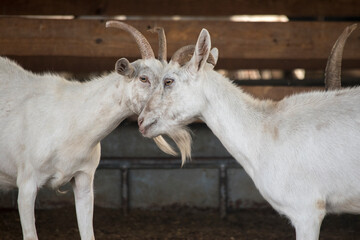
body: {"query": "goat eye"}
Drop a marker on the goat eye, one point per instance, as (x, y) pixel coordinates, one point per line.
(144, 79)
(168, 81)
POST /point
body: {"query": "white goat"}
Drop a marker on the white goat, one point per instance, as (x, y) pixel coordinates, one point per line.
(302, 152)
(51, 128)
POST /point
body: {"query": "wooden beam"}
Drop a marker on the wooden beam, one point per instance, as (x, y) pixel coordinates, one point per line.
(82, 43)
(294, 8)
(347, 80)
(96, 64)
(277, 93)
(83, 65)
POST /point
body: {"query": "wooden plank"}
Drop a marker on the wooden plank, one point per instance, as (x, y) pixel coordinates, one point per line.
(295, 8)
(241, 45)
(347, 80)
(83, 65)
(71, 64)
(277, 93)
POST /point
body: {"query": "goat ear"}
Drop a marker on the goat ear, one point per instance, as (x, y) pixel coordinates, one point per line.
(202, 50)
(214, 55)
(124, 67)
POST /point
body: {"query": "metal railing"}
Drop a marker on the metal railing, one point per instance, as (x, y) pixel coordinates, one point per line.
(126, 164)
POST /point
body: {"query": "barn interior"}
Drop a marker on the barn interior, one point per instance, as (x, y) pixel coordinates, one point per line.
(272, 49)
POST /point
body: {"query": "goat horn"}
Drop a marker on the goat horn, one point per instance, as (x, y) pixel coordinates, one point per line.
(333, 65)
(184, 54)
(162, 54)
(144, 46)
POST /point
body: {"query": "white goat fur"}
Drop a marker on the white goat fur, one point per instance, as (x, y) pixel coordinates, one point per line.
(51, 129)
(303, 153)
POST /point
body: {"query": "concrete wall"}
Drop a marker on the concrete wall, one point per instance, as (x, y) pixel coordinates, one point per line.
(157, 188)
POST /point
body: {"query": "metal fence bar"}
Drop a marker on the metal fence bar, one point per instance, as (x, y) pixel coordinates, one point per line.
(165, 163)
(223, 190)
(125, 190)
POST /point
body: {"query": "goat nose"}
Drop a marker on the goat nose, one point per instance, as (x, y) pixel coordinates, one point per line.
(140, 121)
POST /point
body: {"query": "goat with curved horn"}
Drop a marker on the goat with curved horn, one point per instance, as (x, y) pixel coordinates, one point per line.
(54, 150)
(333, 65)
(124, 67)
(302, 152)
(144, 46)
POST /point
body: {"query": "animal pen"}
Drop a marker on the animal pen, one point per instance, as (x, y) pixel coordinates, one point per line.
(271, 48)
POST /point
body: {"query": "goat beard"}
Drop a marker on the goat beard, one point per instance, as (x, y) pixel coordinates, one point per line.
(182, 138)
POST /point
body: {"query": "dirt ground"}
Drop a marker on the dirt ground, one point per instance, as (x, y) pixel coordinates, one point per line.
(174, 224)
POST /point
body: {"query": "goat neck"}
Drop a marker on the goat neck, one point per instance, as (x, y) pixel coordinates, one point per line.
(102, 105)
(235, 118)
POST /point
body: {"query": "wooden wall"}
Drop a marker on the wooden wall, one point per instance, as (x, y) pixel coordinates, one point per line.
(80, 43)
(291, 8)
